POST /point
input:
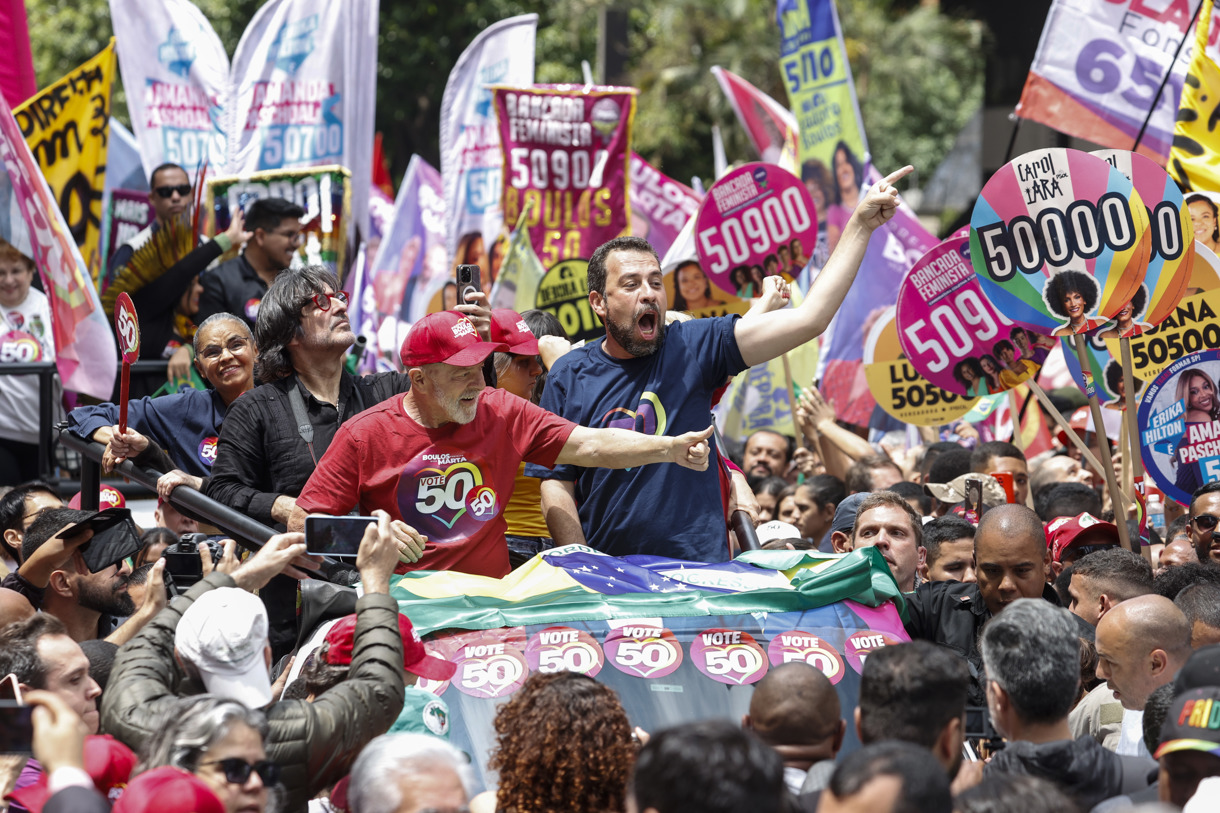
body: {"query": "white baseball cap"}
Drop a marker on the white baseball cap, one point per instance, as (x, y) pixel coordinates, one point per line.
(223, 635)
(775, 529)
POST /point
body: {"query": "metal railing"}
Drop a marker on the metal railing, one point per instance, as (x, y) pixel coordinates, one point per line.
(247, 532)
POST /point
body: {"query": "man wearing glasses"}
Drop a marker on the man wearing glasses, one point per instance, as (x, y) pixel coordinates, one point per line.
(169, 194)
(239, 285)
(1204, 517)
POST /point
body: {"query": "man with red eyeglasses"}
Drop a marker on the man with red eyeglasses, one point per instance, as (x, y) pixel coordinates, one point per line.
(1204, 518)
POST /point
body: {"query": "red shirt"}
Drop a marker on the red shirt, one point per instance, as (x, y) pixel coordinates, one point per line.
(450, 483)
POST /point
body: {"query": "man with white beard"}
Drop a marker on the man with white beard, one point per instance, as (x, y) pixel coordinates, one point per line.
(443, 457)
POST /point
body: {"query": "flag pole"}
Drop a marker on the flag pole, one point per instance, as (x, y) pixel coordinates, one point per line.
(1164, 81)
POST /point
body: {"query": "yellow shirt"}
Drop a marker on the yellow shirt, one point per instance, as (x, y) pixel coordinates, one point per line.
(524, 511)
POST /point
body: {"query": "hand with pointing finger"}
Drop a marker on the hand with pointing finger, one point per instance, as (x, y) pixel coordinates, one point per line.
(882, 201)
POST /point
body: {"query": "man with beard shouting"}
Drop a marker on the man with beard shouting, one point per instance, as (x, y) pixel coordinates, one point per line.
(444, 456)
(656, 380)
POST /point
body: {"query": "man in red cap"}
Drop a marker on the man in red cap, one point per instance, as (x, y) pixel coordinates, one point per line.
(1071, 538)
(442, 457)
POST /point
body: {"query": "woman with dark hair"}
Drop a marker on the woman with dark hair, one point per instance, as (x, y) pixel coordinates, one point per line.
(991, 373)
(692, 289)
(742, 282)
(563, 745)
(1115, 384)
(1205, 218)
(969, 374)
(767, 493)
(1126, 321)
(1197, 389)
(1072, 296)
(849, 177)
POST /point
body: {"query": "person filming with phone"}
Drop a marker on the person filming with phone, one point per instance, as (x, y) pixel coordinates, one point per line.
(444, 456)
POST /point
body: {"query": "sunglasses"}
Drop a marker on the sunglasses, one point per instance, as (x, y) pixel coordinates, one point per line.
(237, 770)
(167, 192)
(1205, 522)
(296, 238)
(323, 301)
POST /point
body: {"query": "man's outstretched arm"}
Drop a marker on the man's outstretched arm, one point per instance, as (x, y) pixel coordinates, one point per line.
(624, 449)
(764, 339)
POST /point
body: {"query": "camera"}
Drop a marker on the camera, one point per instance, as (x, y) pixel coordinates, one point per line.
(183, 562)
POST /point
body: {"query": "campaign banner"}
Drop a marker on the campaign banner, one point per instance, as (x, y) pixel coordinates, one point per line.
(129, 214)
(30, 219)
(1192, 159)
(176, 75)
(471, 161)
(302, 92)
(660, 206)
(1099, 65)
(67, 128)
(663, 633)
(409, 269)
(566, 150)
(516, 286)
(772, 127)
(757, 221)
(832, 156)
(954, 336)
(898, 387)
(323, 192)
(17, 80)
(1060, 241)
(1179, 421)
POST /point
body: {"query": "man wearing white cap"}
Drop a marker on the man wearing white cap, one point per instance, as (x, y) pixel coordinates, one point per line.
(443, 457)
(219, 634)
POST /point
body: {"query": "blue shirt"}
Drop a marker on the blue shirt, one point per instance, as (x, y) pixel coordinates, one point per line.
(186, 425)
(661, 509)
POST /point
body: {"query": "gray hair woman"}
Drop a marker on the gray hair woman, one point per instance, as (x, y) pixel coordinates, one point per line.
(222, 743)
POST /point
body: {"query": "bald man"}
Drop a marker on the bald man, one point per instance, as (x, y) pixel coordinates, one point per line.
(1011, 560)
(13, 607)
(795, 710)
(1177, 551)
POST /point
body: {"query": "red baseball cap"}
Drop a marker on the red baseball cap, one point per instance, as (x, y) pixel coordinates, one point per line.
(168, 790)
(415, 658)
(508, 327)
(1064, 532)
(108, 761)
(447, 337)
(107, 497)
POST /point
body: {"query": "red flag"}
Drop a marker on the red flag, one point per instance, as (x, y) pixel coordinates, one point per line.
(381, 169)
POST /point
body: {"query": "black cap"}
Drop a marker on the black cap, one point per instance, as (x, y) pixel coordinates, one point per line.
(845, 514)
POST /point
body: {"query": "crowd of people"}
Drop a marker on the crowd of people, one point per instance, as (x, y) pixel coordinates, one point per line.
(1049, 667)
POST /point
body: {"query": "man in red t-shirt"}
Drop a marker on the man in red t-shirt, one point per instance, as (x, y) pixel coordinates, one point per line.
(443, 457)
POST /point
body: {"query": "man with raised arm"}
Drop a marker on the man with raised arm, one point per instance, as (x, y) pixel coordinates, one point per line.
(660, 380)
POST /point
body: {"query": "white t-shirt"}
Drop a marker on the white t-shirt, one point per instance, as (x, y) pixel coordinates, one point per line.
(25, 336)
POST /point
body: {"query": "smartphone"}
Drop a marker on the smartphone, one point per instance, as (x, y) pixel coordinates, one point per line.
(468, 282)
(335, 536)
(16, 728)
(973, 504)
(1005, 478)
(10, 688)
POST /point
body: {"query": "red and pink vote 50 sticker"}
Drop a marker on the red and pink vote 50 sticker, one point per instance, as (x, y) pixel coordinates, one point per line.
(127, 327)
(559, 649)
(490, 662)
(747, 224)
(728, 656)
(643, 650)
(806, 647)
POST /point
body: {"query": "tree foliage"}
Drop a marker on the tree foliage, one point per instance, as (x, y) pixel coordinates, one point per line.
(918, 71)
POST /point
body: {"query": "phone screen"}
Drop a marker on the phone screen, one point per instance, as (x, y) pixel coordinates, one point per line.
(10, 688)
(16, 727)
(335, 536)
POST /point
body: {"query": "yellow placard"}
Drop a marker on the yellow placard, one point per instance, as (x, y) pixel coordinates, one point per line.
(899, 388)
(67, 127)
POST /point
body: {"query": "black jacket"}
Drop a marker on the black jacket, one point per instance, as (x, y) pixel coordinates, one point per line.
(231, 287)
(1081, 768)
(952, 614)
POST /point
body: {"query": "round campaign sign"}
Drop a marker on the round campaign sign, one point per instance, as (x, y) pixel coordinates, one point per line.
(564, 293)
(1191, 328)
(749, 226)
(862, 644)
(899, 388)
(1060, 241)
(728, 656)
(207, 451)
(563, 649)
(442, 647)
(1179, 421)
(1173, 241)
(19, 347)
(643, 651)
(807, 647)
(953, 335)
(489, 664)
(127, 328)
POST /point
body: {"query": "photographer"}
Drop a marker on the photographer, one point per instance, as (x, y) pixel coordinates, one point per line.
(313, 743)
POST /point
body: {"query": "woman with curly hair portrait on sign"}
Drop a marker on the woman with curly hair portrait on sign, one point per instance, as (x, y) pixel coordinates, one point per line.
(1127, 320)
(563, 745)
(1072, 296)
(1198, 390)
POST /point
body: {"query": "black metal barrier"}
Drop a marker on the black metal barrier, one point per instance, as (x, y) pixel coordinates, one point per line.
(247, 532)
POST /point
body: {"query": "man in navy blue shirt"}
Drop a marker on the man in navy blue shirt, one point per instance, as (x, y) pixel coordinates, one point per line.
(660, 380)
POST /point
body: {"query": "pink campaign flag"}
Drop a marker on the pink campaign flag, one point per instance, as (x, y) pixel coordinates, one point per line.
(17, 68)
(771, 126)
(85, 349)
